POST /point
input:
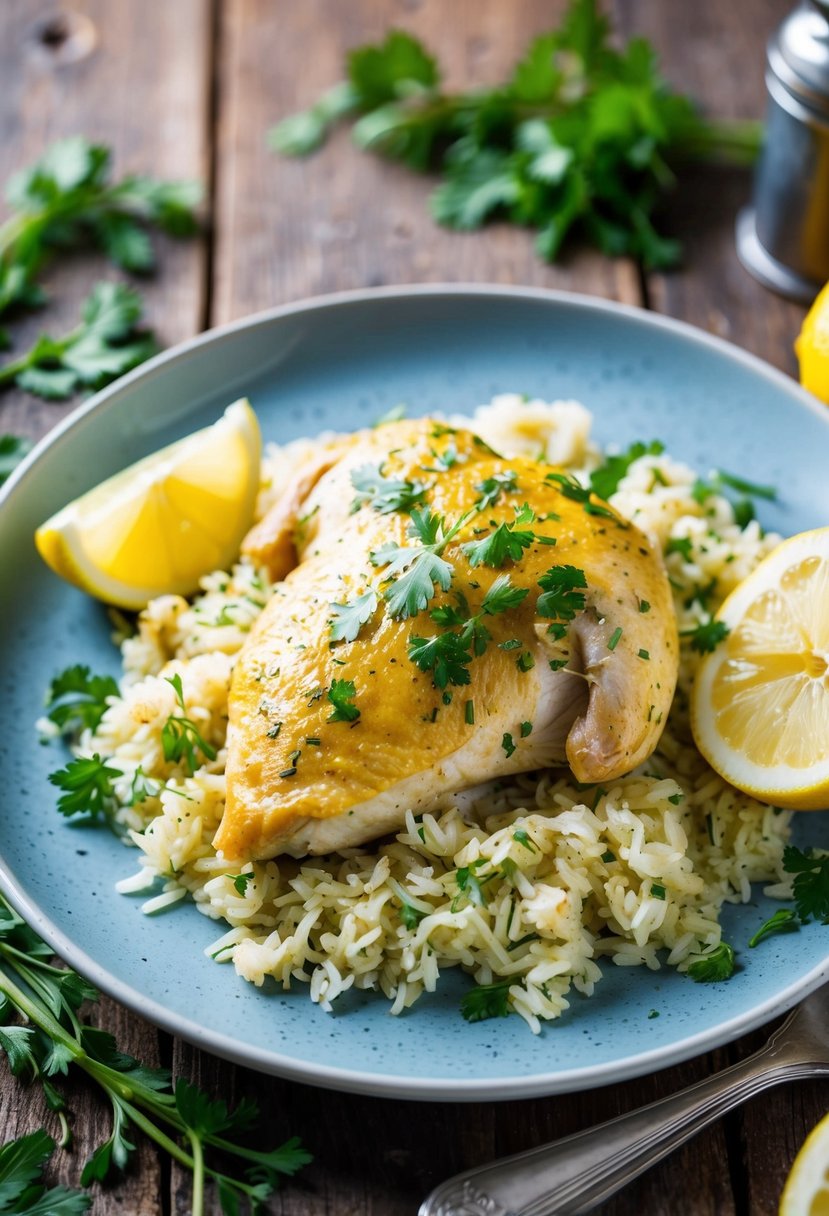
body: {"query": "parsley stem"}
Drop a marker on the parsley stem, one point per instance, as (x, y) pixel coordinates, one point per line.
(198, 1172)
(40, 1017)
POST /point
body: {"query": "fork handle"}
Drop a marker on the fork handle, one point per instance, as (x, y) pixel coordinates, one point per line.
(573, 1175)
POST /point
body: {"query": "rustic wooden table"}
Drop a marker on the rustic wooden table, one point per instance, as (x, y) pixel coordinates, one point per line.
(189, 90)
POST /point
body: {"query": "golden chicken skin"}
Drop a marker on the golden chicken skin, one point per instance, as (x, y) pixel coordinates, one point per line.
(453, 617)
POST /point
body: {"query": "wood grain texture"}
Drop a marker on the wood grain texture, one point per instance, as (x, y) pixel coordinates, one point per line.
(136, 78)
(341, 219)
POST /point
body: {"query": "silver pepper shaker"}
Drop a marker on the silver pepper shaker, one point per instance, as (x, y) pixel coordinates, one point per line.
(783, 238)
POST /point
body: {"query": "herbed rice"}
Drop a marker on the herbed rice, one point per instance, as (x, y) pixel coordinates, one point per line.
(555, 876)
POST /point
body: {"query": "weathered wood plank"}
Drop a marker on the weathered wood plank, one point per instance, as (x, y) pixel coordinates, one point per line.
(136, 78)
(143, 89)
(342, 218)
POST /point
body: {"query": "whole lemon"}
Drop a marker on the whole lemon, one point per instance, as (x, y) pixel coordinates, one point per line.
(812, 347)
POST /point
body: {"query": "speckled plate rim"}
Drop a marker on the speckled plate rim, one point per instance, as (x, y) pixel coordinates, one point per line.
(223, 1045)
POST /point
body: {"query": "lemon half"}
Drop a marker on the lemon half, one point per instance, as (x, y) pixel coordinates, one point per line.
(812, 346)
(760, 705)
(158, 526)
(807, 1188)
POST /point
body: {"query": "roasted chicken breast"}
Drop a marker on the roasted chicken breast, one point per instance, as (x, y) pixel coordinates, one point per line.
(454, 617)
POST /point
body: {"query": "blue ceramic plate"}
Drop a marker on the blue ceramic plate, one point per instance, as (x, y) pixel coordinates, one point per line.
(340, 363)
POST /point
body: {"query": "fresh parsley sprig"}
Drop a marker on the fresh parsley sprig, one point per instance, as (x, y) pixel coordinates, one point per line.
(341, 694)
(87, 784)
(506, 542)
(571, 488)
(705, 637)
(180, 737)
(415, 571)
(77, 699)
(347, 619)
(67, 199)
(604, 480)
(563, 596)
(811, 883)
(577, 143)
(105, 345)
(714, 965)
(385, 494)
(486, 1001)
(184, 1122)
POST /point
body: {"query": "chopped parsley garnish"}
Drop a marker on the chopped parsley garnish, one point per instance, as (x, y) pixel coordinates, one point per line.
(416, 569)
(613, 640)
(644, 606)
(506, 543)
(714, 965)
(563, 596)
(525, 662)
(811, 883)
(341, 694)
(510, 644)
(240, 882)
(682, 545)
(469, 713)
(507, 744)
(526, 729)
(78, 699)
(576, 492)
(180, 737)
(410, 916)
(87, 786)
(347, 619)
(657, 890)
(492, 488)
(604, 481)
(521, 836)
(706, 637)
(644, 654)
(785, 920)
(384, 494)
(446, 655)
(486, 1001)
(502, 596)
(608, 856)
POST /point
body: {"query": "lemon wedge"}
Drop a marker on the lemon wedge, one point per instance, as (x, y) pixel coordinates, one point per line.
(760, 704)
(812, 347)
(158, 526)
(806, 1192)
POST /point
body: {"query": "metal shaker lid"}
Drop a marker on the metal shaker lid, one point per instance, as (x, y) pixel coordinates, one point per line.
(799, 53)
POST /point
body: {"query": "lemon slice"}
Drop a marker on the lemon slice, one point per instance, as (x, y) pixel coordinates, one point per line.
(812, 346)
(161, 524)
(760, 705)
(806, 1192)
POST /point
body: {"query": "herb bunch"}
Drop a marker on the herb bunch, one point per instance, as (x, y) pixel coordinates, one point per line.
(579, 142)
(49, 1037)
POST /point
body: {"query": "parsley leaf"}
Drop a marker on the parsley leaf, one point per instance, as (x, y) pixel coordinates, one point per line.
(486, 1001)
(341, 694)
(605, 480)
(12, 450)
(416, 570)
(384, 494)
(78, 699)
(180, 737)
(492, 488)
(506, 543)
(347, 618)
(66, 199)
(410, 916)
(563, 595)
(706, 636)
(87, 786)
(446, 655)
(811, 884)
(22, 1189)
(106, 344)
(784, 920)
(714, 965)
(576, 492)
(502, 596)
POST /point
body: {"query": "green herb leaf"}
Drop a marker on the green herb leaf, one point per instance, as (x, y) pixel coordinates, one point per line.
(384, 494)
(486, 1001)
(492, 488)
(785, 920)
(347, 618)
(506, 543)
(22, 1190)
(87, 786)
(181, 738)
(341, 694)
(716, 964)
(604, 481)
(811, 884)
(563, 593)
(576, 492)
(77, 699)
(706, 637)
(12, 450)
(446, 655)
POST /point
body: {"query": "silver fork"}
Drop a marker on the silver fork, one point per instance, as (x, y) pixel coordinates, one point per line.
(573, 1175)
